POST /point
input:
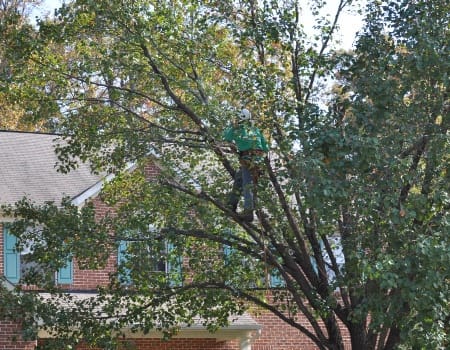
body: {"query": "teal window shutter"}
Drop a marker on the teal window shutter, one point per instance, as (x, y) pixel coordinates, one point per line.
(227, 250)
(174, 266)
(65, 274)
(11, 258)
(124, 273)
(314, 264)
(276, 280)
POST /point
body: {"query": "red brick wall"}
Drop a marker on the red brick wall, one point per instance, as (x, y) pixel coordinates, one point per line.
(183, 344)
(11, 338)
(151, 171)
(90, 279)
(277, 335)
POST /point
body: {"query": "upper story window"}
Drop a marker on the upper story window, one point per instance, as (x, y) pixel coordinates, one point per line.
(143, 258)
(18, 265)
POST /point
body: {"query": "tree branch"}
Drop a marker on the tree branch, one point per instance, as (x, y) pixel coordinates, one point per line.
(341, 6)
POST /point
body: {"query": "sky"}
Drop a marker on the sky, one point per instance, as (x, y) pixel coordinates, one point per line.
(350, 23)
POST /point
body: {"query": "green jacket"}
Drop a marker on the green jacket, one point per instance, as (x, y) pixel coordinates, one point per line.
(246, 137)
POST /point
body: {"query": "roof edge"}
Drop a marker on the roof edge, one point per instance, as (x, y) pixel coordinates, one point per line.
(31, 132)
(95, 189)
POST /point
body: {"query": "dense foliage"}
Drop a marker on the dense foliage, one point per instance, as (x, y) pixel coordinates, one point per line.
(353, 207)
(22, 106)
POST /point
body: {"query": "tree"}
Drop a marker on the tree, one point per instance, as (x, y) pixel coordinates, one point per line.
(21, 105)
(11, 16)
(367, 177)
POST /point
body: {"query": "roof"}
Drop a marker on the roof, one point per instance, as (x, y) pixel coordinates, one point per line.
(28, 167)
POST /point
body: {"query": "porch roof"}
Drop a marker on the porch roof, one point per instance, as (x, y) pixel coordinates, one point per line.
(242, 327)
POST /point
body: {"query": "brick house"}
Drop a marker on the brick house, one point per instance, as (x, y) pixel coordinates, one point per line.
(28, 169)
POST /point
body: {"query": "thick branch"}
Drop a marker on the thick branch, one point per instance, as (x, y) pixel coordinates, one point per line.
(319, 339)
(419, 149)
(304, 258)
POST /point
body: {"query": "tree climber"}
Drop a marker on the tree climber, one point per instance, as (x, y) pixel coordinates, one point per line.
(252, 147)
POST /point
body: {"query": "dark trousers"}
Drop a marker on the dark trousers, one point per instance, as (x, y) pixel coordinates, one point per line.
(244, 184)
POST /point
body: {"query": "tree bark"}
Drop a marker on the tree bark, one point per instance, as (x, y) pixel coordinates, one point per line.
(358, 337)
(334, 334)
(393, 340)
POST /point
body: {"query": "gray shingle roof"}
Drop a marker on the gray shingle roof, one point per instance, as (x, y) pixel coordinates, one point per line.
(28, 167)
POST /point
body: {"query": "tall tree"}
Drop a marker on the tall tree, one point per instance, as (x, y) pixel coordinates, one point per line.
(12, 16)
(353, 208)
(21, 107)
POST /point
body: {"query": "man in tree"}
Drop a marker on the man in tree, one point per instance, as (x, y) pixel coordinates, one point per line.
(132, 78)
(251, 146)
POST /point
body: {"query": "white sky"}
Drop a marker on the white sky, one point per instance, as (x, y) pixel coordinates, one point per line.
(350, 23)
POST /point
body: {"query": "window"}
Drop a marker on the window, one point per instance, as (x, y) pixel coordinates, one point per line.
(144, 259)
(17, 265)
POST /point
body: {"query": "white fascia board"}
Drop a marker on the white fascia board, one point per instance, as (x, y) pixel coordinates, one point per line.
(222, 334)
(93, 191)
(5, 219)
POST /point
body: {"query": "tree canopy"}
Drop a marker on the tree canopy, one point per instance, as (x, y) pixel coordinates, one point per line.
(353, 206)
(16, 100)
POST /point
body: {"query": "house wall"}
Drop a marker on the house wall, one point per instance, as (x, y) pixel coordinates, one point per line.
(90, 279)
(11, 337)
(10, 331)
(275, 334)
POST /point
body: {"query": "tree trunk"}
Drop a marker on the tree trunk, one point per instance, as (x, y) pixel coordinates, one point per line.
(393, 340)
(334, 334)
(358, 337)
